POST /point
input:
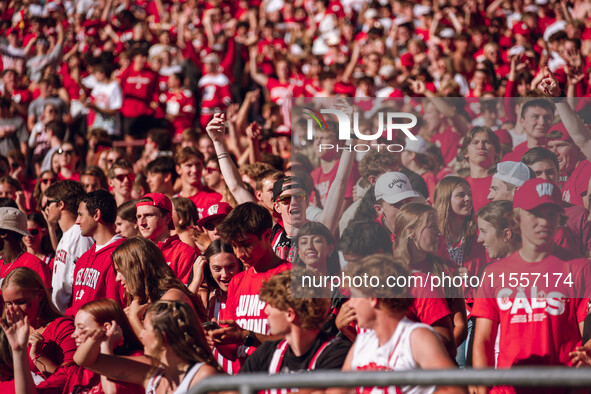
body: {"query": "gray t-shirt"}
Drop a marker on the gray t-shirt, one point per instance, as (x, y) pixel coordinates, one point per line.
(18, 133)
(37, 105)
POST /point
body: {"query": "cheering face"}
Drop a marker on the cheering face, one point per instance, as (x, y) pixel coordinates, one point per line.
(224, 267)
(292, 205)
(190, 171)
(84, 323)
(567, 153)
(314, 250)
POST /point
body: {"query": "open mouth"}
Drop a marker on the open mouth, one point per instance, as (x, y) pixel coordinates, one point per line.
(295, 211)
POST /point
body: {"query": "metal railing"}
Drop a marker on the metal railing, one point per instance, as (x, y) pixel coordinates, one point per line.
(533, 377)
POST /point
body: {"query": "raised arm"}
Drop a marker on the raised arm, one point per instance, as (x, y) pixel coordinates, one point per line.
(579, 133)
(215, 129)
(259, 78)
(17, 329)
(126, 369)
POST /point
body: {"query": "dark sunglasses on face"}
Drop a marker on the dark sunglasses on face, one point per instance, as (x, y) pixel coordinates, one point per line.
(46, 181)
(286, 200)
(35, 231)
(210, 170)
(48, 203)
(67, 152)
(121, 177)
(210, 226)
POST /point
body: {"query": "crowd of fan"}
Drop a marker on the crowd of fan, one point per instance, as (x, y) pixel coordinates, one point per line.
(159, 195)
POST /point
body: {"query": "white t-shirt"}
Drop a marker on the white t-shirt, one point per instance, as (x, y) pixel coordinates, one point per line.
(395, 355)
(69, 249)
(107, 96)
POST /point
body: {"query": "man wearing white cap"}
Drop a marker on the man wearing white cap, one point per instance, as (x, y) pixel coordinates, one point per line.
(392, 191)
(509, 177)
(13, 227)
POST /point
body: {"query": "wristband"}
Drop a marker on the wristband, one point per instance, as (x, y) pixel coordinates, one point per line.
(223, 155)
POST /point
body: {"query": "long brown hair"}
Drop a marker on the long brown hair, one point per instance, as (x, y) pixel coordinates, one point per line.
(442, 204)
(177, 322)
(29, 280)
(146, 273)
(410, 217)
(106, 310)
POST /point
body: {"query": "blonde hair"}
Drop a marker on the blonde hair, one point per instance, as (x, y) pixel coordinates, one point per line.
(177, 323)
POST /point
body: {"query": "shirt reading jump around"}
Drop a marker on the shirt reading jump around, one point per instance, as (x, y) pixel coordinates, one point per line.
(538, 321)
(395, 355)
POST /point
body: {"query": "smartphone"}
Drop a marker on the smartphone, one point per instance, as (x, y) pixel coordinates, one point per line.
(210, 326)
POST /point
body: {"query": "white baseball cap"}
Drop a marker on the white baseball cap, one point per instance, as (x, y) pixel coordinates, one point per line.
(448, 32)
(418, 146)
(394, 187)
(514, 173)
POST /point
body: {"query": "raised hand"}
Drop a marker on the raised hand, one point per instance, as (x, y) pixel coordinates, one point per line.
(16, 327)
(216, 127)
(549, 84)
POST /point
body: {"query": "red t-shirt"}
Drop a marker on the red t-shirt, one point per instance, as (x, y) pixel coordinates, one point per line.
(204, 198)
(30, 261)
(541, 326)
(448, 141)
(179, 256)
(428, 306)
(280, 90)
(517, 153)
(575, 188)
(139, 89)
(59, 345)
(243, 304)
(431, 183)
(480, 190)
(323, 181)
(179, 105)
(215, 92)
(94, 277)
(579, 225)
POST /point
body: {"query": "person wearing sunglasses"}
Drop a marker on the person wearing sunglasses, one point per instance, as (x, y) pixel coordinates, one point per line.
(68, 161)
(13, 227)
(121, 178)
(39, 244)
(46, 179)
(60, 207)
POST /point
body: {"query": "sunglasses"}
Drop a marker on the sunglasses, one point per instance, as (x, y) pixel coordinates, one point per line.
(209, 170)
(15, 166)
(47, 181)
(66, 152)
(35, 231)
(48, 203)
(286, 200)
(121, 177)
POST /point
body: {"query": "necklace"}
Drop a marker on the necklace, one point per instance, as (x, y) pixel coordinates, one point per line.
(17, 257)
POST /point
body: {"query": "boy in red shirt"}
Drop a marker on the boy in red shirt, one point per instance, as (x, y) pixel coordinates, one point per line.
(539, 324)
(154, 219)
(248, 229)
(189, 166)
(95, 274)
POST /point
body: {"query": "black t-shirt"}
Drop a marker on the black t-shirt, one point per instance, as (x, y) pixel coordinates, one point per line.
(282, 244)
(332, 357)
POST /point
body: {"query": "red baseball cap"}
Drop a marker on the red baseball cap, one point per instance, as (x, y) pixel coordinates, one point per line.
(407, 60)
(158, 200)
(537, 192)
(219, 210)
(564, 135)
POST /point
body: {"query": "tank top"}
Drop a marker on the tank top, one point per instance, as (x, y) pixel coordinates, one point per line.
(182, 388)
(395, 355)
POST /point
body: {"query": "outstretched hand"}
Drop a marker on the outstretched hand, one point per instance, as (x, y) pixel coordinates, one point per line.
(16, 327)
